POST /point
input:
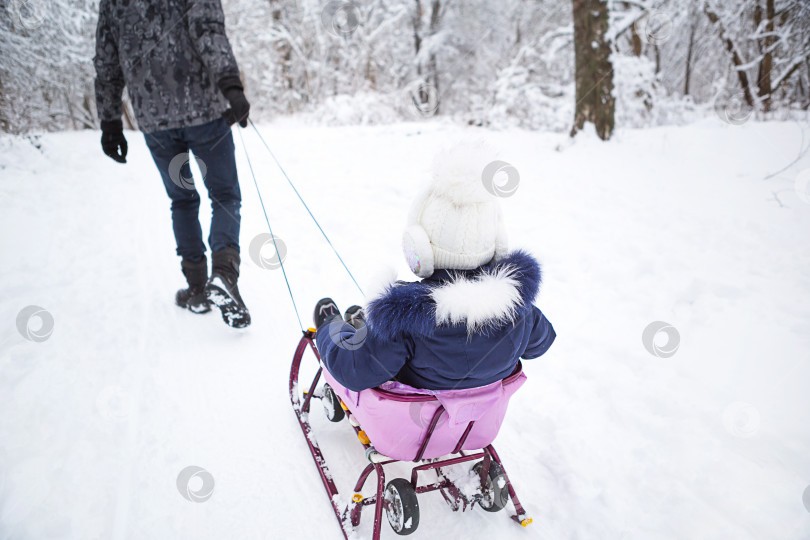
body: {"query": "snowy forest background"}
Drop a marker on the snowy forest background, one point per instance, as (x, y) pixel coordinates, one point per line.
(479, 62)
(109, 392)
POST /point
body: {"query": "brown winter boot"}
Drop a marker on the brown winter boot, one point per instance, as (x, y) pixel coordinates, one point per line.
(193, 298)
(222, 290)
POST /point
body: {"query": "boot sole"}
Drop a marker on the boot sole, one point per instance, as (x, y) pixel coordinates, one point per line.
(228, 306)
(199, 309)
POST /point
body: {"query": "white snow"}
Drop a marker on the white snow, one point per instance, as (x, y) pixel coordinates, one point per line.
(605, 440)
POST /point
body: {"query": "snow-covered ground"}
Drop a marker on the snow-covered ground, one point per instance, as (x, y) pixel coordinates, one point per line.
(605, 441)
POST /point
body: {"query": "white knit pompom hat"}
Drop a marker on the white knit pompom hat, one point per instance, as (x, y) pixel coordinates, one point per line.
(455, 223)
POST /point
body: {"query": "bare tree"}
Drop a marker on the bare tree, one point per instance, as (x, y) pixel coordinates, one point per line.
(734, 53)
(428, 89)
(766, 50)
(768, 39)
(512, 62)
(690, 51)
(593, 71)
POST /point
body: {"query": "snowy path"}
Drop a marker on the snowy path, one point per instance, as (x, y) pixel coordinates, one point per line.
(605, 440)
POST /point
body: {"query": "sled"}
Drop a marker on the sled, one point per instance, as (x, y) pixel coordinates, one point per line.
(441, 443)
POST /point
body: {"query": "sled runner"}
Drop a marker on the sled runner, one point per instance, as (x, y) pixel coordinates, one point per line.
(434, 430)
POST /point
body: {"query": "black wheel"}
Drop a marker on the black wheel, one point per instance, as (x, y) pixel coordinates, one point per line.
(331, 405)
(495, 494)
(401, 506)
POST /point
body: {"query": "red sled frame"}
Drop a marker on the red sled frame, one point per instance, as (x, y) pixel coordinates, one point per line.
(349, 517)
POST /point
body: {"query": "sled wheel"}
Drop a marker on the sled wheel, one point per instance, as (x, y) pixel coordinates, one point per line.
(495, 494)
(331, 405)
(401, 506)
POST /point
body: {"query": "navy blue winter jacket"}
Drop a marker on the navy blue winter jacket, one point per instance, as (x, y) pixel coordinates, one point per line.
(454, 330)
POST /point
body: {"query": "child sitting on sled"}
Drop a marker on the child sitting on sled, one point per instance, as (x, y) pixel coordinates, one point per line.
(470, 318)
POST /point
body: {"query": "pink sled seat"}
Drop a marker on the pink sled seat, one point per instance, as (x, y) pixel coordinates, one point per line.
(397, 417)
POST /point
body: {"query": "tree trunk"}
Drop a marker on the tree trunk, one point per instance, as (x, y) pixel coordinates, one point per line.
(635, 39)
(433, 71)
(417, 28)
(690, 49)
(283, 49)
(742, 77)
(426, 97)
(69, 103)
(5, 120)
(129, 116)
(89, 109)
(593, 70)
(764, 89)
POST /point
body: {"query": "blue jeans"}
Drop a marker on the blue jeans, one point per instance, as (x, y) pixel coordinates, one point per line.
(213, 149)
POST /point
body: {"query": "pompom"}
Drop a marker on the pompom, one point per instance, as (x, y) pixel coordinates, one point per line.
(458, 169)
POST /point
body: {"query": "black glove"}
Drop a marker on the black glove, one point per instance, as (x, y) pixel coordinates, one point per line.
(231, 88)
(356, 317)
(112, 140)
(325, 312)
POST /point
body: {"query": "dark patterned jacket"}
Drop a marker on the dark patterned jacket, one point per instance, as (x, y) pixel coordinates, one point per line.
(170, 54)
